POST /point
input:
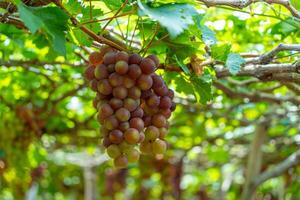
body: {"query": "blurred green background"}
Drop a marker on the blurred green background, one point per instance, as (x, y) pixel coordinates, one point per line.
(50, 145)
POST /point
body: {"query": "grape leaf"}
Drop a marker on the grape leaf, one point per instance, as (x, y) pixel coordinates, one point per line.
(286, 27)
(52, 20)
(86, 13)
(220, 52)
(74, 6)
(182, 84)
(174, 17)
(182, 65)
(296, 4)
(234, 62)
(207, 35)
(202, 89)
(116, 4)
(10, 30)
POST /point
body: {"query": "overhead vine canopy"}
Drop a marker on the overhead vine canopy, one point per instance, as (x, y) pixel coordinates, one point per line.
(233, 64)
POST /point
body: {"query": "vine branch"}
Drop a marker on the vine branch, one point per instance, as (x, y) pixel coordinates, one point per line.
(244, 3)
(267, 57)
(292, 161)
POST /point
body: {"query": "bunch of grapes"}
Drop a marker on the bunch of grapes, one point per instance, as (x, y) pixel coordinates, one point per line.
(133, 104)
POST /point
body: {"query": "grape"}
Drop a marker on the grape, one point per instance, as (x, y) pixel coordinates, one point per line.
(134, 71)
(109, 58)
(142, 137)
(120, 92)
(170, 93)
(133, 104)
(135, 59)
(104, 87)
(138, 113)
(130, 104)
(89, 73)
(165, 102)
(122, 114)
(121, 162)
(136, 123)
(159, 146)
(153, 101)
(100, 118)
(155, 59)
(144, 82)
(113, 151)
(161, 91)
(101, 72)
(166, 112)
(134, 92)
(94, 85)
(104, 131)
(95, 103)
(115, 103)
(132, 136)
(100, 103)
(157, 81)
(132, 155)
(128, 82)
(122, 56)
(102, 96)
(116, 136)
(146, 94)
(106, 142)
(162, 132)
(138, 101)
(150, 111)
(121, 67)
(151, 133)
(159, 120)
(173, 106)
(106, 110)
(146, 147)
(115, 79)
(111, 122)
(147, 66)
(147, 120)
(95, 58)
(111, 68)
(124, 126)
(105, 49)
(125, 147)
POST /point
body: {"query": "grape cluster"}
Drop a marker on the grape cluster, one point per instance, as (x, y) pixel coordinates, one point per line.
(133, 104)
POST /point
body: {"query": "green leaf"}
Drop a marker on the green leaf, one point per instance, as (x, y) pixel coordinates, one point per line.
(52, 20)
(234, 62)
(202, 89)
(207, 35)
(10, 30)
(286, 27)
(181, 82)
(74, 6)
(81, 37)
(174, 17)
(182, 65)
(29, 18)
(296, 4)
(116, 4)
(86, 13)
(220, 52)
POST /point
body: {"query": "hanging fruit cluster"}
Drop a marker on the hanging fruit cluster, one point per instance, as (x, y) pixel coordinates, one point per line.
(133, 104)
